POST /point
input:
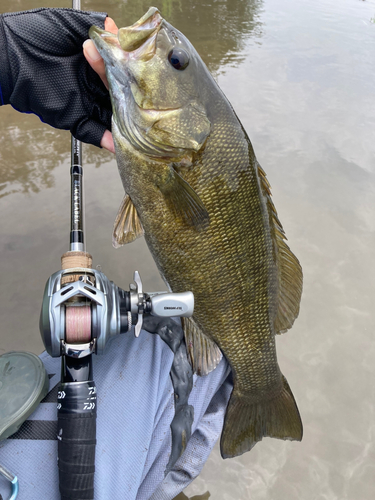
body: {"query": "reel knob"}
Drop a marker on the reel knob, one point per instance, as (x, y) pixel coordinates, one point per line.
(172, 304)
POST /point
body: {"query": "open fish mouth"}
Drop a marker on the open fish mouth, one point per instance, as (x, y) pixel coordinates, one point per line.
(135, 42)
(150, 114)
(132, 37)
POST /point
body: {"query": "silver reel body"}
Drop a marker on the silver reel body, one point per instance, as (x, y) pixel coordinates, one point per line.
(113, 310)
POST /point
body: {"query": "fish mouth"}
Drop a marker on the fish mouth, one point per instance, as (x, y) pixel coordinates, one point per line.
(132, 37)
(146, 121)
(132, 43)
(136, 42)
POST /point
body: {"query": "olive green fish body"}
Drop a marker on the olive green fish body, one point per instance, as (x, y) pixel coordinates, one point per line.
(211, 227)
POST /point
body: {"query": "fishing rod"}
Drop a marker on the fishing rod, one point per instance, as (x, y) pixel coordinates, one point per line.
(81, 311)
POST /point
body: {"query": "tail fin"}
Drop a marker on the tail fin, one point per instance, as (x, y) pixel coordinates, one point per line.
(247, 423)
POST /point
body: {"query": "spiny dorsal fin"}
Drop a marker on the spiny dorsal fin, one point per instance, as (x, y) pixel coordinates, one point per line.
(290, 272)
(204, 353)
(127, 226)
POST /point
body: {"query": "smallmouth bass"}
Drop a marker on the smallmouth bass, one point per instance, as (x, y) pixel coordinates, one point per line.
(196, 191)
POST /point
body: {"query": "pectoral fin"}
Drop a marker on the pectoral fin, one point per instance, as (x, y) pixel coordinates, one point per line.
(127, 226)
(183, 200)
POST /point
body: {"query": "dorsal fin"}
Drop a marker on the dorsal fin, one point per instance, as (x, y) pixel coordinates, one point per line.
(290, 271)
(127, 226)
(204, 353)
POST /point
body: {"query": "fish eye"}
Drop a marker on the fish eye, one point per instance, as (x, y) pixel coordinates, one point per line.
(178, 58)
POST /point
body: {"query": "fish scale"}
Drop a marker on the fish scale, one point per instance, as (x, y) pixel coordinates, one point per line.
(194, 188)
(247, 240)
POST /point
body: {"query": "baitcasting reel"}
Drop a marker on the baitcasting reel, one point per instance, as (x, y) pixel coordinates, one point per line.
(99, 310)
(81, 311)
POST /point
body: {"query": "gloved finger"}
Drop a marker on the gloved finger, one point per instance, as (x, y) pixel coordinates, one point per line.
(95, 60)
(89, 131)
(107, 141)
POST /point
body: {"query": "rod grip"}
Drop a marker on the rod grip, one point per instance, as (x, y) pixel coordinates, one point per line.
(76, 420)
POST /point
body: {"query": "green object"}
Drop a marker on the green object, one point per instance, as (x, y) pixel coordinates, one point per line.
(23, 384)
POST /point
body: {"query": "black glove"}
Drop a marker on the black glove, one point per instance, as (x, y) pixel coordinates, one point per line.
(43, 70)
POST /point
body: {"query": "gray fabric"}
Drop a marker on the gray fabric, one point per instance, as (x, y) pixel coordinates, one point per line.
(135, 409)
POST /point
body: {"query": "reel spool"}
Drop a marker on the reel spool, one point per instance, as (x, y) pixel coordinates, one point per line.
(79, 317)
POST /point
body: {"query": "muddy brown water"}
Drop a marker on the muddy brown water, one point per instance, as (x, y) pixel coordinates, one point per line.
(300, 77)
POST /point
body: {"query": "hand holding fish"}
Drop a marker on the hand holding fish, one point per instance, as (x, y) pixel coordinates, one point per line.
(43, 71)
(92, 54)
(97, 63)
